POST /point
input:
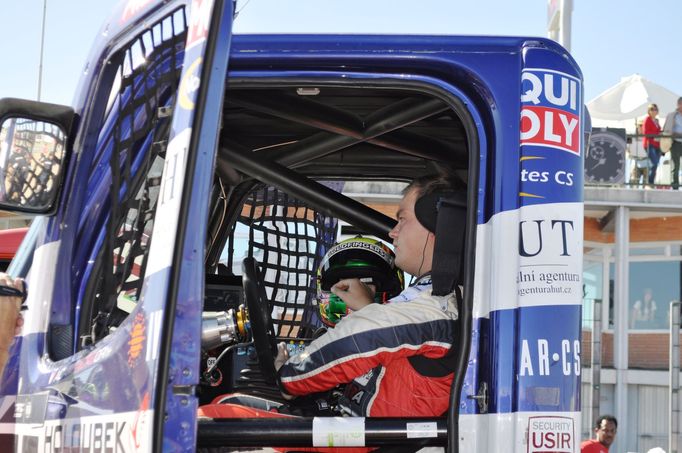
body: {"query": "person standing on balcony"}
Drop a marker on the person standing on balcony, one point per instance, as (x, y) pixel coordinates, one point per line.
(640, 161)
(673, 126)
(652, 145)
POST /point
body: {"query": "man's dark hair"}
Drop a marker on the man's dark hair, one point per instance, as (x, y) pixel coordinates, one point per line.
(608, 418)
(440, 182)
(430, 190)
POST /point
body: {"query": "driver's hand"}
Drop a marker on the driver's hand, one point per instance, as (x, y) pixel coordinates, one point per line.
(354, 293)
(282, 355)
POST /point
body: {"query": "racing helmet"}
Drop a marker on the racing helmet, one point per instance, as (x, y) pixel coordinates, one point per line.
(369, 260)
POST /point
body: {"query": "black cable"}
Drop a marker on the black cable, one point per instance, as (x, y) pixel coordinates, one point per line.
(419, 271)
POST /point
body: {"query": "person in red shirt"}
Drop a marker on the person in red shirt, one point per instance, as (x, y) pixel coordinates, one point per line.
(651, 144)
(605, 430)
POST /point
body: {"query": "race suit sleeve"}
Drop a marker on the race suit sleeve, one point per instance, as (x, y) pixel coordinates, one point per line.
(376, 335)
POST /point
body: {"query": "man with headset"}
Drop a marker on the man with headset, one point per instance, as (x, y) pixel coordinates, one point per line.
(397, 359)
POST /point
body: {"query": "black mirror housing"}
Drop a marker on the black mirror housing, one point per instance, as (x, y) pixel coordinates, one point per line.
(35, 143)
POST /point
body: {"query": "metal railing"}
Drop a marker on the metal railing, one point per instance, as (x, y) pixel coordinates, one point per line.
(595, 363)
(631, 157)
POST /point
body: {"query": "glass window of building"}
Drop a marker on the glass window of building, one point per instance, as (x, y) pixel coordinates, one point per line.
(593, 278)
(652, 286)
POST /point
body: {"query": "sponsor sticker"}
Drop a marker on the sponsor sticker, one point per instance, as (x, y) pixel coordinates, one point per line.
(422, 430)
(137, 339)
(189, 85)
(116, 433)
(534, 169)
(550, 255)
(338, 431)
(547, 356)
(550, 110)
(199, 21)
(551, 434)
(378, 249)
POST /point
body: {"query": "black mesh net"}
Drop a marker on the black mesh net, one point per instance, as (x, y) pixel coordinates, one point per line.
(149, 76)
(288, 239)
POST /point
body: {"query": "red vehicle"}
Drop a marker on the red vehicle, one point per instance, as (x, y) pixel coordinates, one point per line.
(9, 243)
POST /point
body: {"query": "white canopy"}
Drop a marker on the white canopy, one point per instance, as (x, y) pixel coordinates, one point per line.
(626, 102)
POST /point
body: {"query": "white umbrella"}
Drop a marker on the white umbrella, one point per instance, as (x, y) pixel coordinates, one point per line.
(624, 103)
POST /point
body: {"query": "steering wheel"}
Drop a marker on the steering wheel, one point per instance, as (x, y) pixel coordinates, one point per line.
(262, 329)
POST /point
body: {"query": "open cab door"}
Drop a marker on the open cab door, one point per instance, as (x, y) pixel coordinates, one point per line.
(110, 320)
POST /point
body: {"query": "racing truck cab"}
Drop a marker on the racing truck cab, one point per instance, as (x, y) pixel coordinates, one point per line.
(190, 193)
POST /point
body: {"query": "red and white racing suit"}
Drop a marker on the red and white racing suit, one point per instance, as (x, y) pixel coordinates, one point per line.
(394, 357)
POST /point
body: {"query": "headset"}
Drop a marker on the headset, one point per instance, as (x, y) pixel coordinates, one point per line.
(443, 212)
(427, 206)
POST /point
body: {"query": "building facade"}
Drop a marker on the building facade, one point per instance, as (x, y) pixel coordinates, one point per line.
(632, 272)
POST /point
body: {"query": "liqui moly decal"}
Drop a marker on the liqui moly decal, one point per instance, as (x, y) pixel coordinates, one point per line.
(550, 110)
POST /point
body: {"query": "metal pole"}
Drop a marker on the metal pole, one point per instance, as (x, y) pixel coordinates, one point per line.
(595, 362)
(674, 402)
(565, 27)
(620, 326)
(42, 46)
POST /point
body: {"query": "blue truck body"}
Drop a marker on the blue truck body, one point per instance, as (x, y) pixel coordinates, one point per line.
(135, 389)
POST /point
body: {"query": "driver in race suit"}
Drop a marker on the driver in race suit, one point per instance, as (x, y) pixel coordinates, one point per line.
(396, 358)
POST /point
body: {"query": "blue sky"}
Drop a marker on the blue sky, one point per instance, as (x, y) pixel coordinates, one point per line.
(611, 38)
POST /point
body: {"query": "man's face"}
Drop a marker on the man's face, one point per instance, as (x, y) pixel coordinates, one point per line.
(606, 432)
(679, 107)
(413, 243)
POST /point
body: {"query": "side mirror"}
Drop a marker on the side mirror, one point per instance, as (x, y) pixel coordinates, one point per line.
(34, 145)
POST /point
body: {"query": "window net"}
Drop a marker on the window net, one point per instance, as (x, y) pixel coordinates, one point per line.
(289, 239)
(134, 140)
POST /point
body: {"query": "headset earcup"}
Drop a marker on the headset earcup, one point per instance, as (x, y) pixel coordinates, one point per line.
(426, 210)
